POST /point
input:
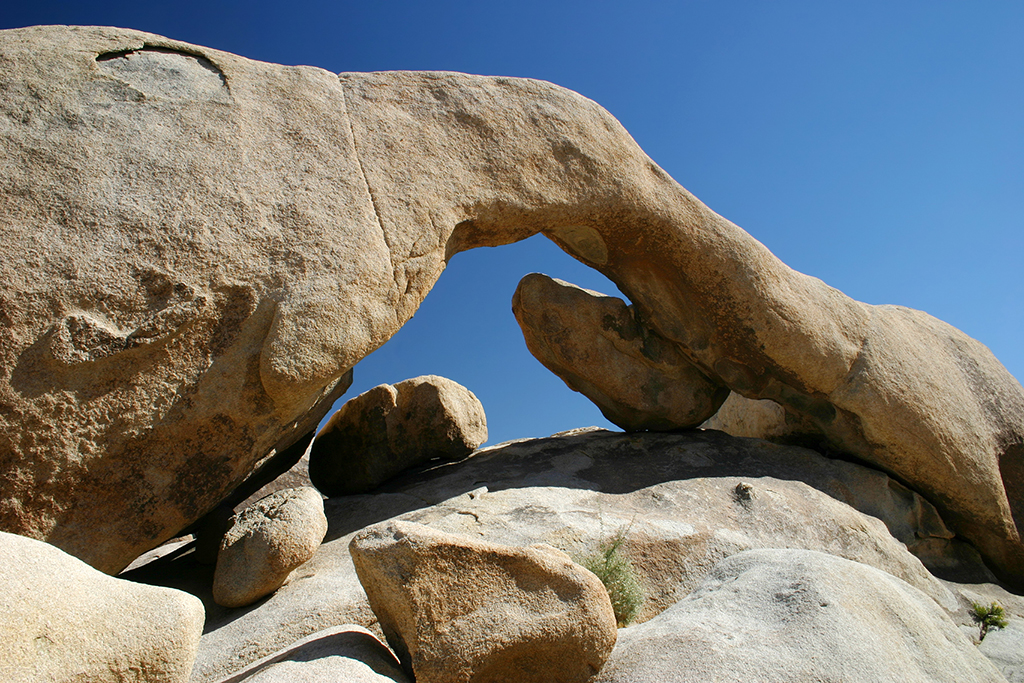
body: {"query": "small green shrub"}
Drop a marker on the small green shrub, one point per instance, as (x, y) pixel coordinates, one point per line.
(991, 617)
(619, 578)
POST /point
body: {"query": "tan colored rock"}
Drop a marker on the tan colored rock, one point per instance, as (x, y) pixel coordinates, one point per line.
(910, 518)
(388, 429)
(760, 419)
(265, 542)
(795, 615)
(598, 347)
(64, 621)
(676, 498)
(210, 242)
(458, 609)
(156, 339)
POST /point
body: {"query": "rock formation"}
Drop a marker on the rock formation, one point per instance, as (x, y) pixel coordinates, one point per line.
(673, 494)
(210, 242)
(63, 621)
(265, 542)
(598, 347)
(387, 429)
(458, 610)
(754, 616)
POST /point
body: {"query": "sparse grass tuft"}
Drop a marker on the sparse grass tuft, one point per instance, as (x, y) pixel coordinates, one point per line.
(619, 578)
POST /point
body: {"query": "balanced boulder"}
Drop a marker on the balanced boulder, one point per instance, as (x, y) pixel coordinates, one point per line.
(799, 615)
(456, 609)
(265, 542)
(64, 621)
(598, 347)
(387, 429)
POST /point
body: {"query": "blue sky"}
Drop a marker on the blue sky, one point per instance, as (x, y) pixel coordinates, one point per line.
(878, 146)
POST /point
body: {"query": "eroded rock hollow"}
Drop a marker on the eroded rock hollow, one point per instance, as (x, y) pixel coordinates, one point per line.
(198, 246)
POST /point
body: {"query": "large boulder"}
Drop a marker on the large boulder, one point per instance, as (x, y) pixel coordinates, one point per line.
(184, 304)
(388, 429)
(457, 610)
(64, 621)
(265, 542)
(597, 346)
(210, 242)
(795, 615)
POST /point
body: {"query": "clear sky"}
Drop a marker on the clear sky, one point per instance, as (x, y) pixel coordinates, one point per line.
(876, 145)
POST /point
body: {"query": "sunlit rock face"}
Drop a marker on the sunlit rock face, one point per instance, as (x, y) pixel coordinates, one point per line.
(197, 246)
(596, 344)
(388, 429)
(798, 615)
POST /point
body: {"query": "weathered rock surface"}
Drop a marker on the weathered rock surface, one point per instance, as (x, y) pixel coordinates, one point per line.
(456, 609)
(210, 242)
(597, 346)
(575, 491)
(387, 429)
(64, 621)
(797, 615)
(265, 542)
(198, 262)
(346, 653)
(1005, 649)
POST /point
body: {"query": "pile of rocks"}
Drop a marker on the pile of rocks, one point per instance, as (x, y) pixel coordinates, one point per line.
(168, 348)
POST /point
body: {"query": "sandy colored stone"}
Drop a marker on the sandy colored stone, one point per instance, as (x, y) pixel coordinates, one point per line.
(458, 609)
(760, 419)
(165, 226)
(346, 653)
(265, 542)
(673, 492)
(63, 621)
(596, 345)
(798, 615)
(209, 242)
(388, 429)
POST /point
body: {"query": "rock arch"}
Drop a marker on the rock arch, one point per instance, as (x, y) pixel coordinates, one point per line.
(303, 216)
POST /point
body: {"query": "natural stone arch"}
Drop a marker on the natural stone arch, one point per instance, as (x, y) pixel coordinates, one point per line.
(207, 259)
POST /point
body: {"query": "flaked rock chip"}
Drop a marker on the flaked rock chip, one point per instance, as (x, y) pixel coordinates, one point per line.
(456, 609)
(387, 429)
(265, 542)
